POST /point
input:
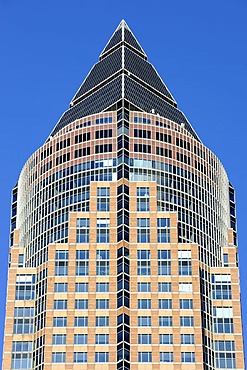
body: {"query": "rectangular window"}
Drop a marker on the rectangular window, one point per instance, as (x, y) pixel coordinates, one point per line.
(23, 320)
(59, 339)
(165, 320)
(82, 263)
(221, 287)
(61, 263)
(144, 339)
(225, 357)
(103, 199)
(142, 148)
(103, 148)
(22, 355)
(184, 263)
(144, 356)
(143, 199)
(103, 134)
(164, 262)
(81, 321)
(144, 287)
(160, 136)
(82, 137)
(166, 356)
(143, 230)
(185, 288)
(223, 325)
(225, 260)
(102, 320)
(102, 304)
(186, 321)
(100, 121)
(80, 338)
(163, 230)
(144, 304)
(102, 339)
(165, 287)
(81, 304)
(21, 260)
(102, 262)
(144, 320)
(102, 287)
(164, 152)
(82, 230)
(81, 287)
(80, 357)
(143, 134)
(186, 304)
(59, 322)
(166, 339)
(101, 356)
(187, 339)
(143, 262)
(165, 304)
(58, 357)
(60, 304)
(82, 152)
(61, 287)
(103, 230)
(25, 287)
(187, 357)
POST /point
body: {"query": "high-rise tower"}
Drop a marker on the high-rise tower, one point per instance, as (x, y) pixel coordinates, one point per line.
(123, 245)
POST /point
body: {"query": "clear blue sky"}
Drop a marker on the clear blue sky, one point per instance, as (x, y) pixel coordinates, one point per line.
(47, 48)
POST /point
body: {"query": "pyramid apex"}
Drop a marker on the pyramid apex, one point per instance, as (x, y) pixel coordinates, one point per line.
(123, 34)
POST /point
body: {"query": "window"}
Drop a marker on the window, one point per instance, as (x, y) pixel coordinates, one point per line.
(186, 304)
(165, 320)
(163, 230)
(102, 339)
(82, 230)
(186, 321)
(143, 230)
(143, 263)
(102, 262)
(184, 263)
(185, 287)
(160, 136)
(58, 357)
(81, 287)
(144, 339)
(164, 262)
(23, 320)
(82, 261)
(142, 148)
(82, 137)
(62, 158)
(61, 264)
(144, 287)
(144, 304)
(103, 134)
(225, 357)
(165, 287)
(61, 287)
(223, 325)
(100, 121)
(166, 356)
(144, 356)
(22, 355)
(59, 322)
(143, 134)
(81, 304)
(80, 357)
(225, 260)
(102, 304)
(60, 304)
(187, 339)
(102, 287)
(103, 199)
(103, 148)
(101, 356)
(142, 199)
(25, 287)
(166, 339)
(102, 320)
(221, 287)
(21, 260)
(80, 338)
(103, 230)
(82, 152)
(188, 356)
(165, 304)
(81, 321)
(58, 339)
(144, 320)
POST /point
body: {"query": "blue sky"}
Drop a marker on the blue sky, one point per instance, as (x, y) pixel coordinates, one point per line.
(48, 47)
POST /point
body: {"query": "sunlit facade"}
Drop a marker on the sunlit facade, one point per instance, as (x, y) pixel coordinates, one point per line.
(123, 247)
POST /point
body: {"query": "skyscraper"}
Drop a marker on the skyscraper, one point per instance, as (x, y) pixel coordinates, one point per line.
(123, 247)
